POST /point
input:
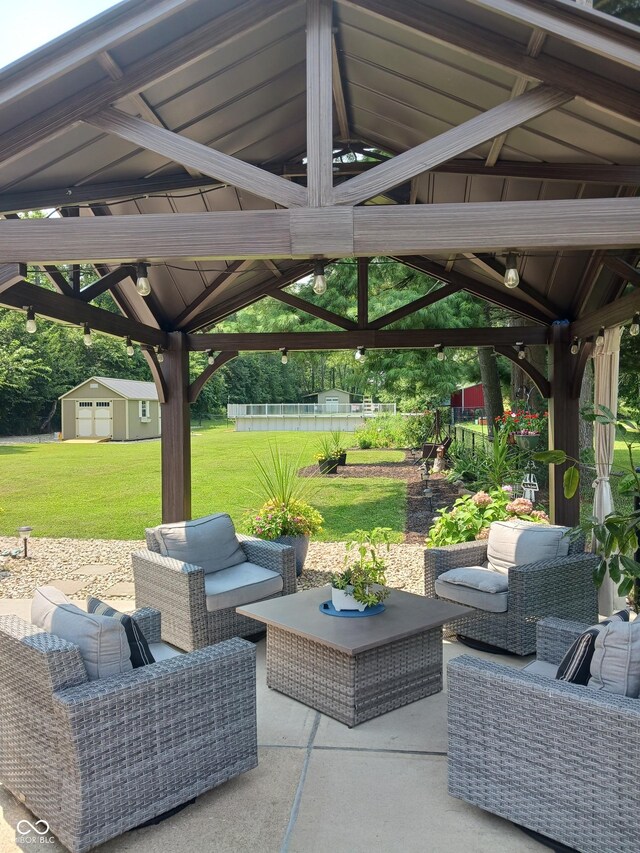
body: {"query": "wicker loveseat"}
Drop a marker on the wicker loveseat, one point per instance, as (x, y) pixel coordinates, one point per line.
(97, 758)
(560, 759)
(193, 616)
(562, 587)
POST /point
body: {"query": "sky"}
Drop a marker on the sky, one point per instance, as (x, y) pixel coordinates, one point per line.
(26, 25)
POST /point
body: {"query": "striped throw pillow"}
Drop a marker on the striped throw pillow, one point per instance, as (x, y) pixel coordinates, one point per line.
(140, 652)
(576, 664)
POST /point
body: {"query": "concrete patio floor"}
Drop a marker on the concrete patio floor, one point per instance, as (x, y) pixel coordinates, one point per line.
(380, 787)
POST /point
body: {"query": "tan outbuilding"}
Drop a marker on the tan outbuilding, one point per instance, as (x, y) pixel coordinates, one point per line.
(116, 409)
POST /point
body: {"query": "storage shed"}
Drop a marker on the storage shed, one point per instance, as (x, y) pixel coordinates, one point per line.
(119, 409)
(333, 398)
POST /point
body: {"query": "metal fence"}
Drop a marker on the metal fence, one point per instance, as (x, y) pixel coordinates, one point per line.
(468, 437)
(263, 410)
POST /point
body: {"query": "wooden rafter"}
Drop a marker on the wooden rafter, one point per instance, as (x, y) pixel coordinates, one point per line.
(411, 307)
(623, 269)
(331, 232)
(619, 311)
(200, 381)
(234, 269)
(504, 52)
(497, 271)
(314, 310)
(448, 145)
(11, 274)
(369, 338)
(156, 371)
(185, 151)
(339, 98)
(141, 74)
(541, 382)
(319, 102)
(105, 283)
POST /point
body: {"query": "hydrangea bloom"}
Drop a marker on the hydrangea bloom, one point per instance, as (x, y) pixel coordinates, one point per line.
(482, 499)
(521, 506)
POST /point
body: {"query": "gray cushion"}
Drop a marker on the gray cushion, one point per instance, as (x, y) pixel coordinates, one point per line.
(541, 667)
(239, 585)
(102, 640)
(163, 651)
(615, 665)
(209, 542)
(516, 543)
(477, 577)
(495, 602)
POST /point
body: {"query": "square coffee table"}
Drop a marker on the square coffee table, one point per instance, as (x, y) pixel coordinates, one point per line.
(354, 669)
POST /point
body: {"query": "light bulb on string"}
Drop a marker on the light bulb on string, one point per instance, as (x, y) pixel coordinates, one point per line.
(31, 321)
(360, 354)
(142, 282)
(440, 353)
(160, 355)
(284, 355)
(511, 275)
(600, 337)
(319, 279)
(87, 337)
(634, 328)
(522, 353)
(130, 350)
(575, 346)
(210, 357)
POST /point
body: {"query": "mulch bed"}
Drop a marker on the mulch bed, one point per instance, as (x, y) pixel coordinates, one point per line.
(420, 514)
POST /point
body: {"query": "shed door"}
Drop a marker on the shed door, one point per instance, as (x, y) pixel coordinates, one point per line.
(84, 419)
(102, 420)
(332, 404)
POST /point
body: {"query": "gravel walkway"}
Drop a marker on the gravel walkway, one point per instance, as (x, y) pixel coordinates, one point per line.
(42, 438)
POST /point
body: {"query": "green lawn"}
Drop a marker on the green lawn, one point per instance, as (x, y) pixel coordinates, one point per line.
(112, 491)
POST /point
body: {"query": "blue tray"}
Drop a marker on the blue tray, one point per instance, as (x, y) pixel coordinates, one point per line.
(329, 610)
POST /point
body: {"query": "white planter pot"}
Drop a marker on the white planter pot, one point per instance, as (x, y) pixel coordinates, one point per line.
(343, 600)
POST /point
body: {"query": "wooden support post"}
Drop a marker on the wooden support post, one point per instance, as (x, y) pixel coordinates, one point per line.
(176, 433)
(564, 418)
(319, 102)
(363, 293)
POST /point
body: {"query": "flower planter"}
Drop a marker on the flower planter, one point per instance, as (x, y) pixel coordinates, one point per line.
(527, 442)
(343, 600)
(342, 459)
(300, 545)
(328, 466)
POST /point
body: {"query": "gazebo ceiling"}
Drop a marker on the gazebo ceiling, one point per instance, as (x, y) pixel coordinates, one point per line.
(232, 76)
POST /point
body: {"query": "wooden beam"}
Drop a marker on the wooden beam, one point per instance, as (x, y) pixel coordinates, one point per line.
(484, 291)
(448, 145)
(232, 272)
(595, 173)
(497, 270)
(176, 432)
(198, 384)
(185, 151)
(363, 292)
(366, 231)
(156, 371)
(584, 354)
(411, 307)
(339, 98)
(369, 338)
(11, 274)
(541, 382)
(564, 419)
(612, 314)
(623, 269)
(105, 283)
(588, 35)
(504, 53)
(313, 310)
(75, 311)
(222, 30)
(319, 102)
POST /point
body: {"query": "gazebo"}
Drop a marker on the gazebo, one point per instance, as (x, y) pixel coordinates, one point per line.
(223, 149)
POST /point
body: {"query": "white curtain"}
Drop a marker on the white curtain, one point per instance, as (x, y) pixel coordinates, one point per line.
(606, 362)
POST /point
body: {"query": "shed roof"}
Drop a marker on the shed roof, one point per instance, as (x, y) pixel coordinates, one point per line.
(130, 389)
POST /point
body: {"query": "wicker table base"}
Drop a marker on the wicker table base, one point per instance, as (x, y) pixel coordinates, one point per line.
(354, 688)
(354, 672)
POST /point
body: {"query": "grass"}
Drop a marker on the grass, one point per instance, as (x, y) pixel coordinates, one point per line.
(112, 491)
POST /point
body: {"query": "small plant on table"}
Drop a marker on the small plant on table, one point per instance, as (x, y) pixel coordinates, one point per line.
(362, 582)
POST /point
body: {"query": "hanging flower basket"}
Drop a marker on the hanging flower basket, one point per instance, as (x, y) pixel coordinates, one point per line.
(527, 441)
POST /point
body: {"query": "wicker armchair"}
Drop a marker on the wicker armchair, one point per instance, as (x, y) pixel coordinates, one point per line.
(96, 758)
(177, 590)
(558, 758)
(560, 587)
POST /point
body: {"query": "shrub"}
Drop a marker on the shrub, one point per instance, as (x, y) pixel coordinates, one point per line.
(275, 519)
(471, 516)
(394, 431)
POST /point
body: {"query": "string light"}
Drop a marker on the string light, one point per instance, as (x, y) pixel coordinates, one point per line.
(285, 357)
(600, 338)
(160, 355)
(130, 349)
(210, 357)
(634, 328)
(575, 347)
(522, 353)
(142, 282)
(440, 353)
(88, 339)
(360, 353)
(511, 275)
(319, 279)
(31, 321)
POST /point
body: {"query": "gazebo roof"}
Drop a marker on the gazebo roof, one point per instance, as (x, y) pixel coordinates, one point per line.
(232, 77)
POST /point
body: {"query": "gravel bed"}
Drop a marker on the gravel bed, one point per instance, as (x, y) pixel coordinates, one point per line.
(41, 438)
(59, 560)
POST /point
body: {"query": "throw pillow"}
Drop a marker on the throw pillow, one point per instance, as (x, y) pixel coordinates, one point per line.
(477, 577)
(576, 664)
(140, 652)
(209, 542)
(615, 665)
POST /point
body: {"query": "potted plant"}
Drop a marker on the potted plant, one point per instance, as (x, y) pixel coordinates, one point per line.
(361, 584)
(326, 458)
(285, 516)
(339, 451)
(524, 428)
(527, 439)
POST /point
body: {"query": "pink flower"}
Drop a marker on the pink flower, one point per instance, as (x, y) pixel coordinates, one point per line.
(508, 489)
(521, 506)
(482, 499)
